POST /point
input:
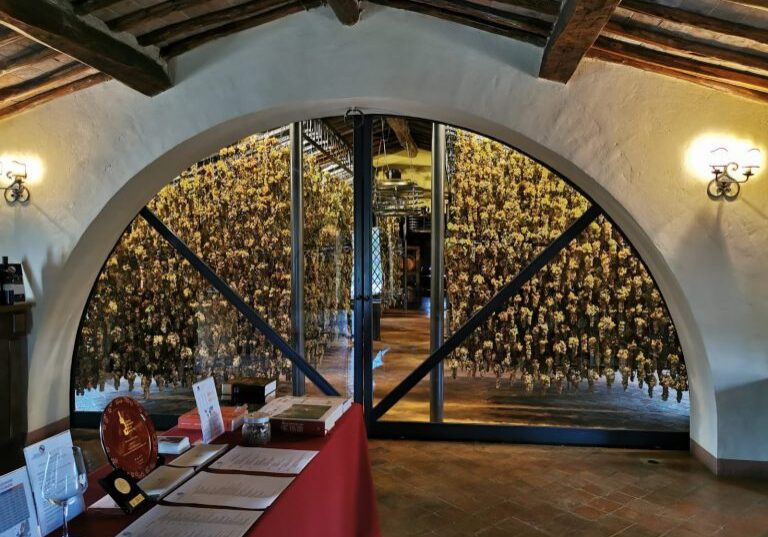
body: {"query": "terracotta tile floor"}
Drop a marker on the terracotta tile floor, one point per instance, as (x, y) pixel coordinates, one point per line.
(494, 490)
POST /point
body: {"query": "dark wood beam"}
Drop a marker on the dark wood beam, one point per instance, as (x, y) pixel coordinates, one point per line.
(577, 27)
(183, 45)
(26, 59)
(87, 6)
(9, 38)
(490, 14)
(720, 73)
(56, 77)
(546, 7)
(722, 86)
(480, 23)
(156, 11)
(697, 20)
(54, 24)
(208, 20)
(659, 37)
(399, 126)
(760, 4)
(347, 11)
(54, 93)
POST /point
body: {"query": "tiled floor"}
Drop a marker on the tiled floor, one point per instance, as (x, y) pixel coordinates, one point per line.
(494, 490)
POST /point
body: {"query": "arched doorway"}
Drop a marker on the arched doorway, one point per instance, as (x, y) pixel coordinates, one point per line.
(543, 296)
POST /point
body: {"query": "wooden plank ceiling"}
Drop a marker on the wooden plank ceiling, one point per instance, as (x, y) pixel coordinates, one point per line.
(50, 48)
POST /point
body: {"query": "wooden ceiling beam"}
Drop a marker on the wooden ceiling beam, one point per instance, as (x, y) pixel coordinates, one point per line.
(347, 11)
(722, 86)
(10, 38)
(51, 94)
(88, 6)
(399, 126)
(479, 23)
(156, 11)
(55, 25)
(690, 66)
(174, 48)
(547, 7)
(697, 20)
(653, 35)
(26, 59)
(576, 29)
(203, 22)
(56, 77)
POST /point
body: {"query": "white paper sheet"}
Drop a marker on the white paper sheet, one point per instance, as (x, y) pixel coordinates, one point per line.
(269, 460)
(198, 455)
(49, 516)
(230, 490)
(164, 479)
(211, 421)
(105, 502)
(165, 521)
(17, 506)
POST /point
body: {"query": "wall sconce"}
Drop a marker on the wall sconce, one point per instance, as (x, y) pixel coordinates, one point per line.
(726, 184)
(17, 191)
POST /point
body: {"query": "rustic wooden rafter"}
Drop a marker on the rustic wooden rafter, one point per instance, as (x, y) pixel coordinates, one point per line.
(88, 6)
(53, 78)
(153, 12)
(399, 126)
(183, 45)
(54, 93)
(722, 86)
(347, 11)
(28, 58)
(198, 24)
(468, 19)
(547, 7)
(54, 24)
(680, 63)
(697, 20)
(653, 35)
(9, 38)
(576, 29)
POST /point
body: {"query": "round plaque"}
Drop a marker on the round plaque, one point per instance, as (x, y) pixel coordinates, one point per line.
(128, 437)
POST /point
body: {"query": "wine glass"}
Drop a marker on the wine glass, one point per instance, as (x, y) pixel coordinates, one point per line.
(65, 479)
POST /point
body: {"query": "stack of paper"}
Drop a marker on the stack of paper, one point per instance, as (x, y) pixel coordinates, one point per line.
(165, 521)
(163, 480)
(198, 455)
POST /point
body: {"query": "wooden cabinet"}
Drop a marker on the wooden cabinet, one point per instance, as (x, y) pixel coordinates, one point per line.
(15, 325)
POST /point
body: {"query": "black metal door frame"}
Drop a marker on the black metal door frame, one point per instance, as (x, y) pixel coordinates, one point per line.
(437, 430)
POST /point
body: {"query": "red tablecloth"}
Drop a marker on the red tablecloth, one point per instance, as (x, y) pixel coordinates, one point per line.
(332, 497)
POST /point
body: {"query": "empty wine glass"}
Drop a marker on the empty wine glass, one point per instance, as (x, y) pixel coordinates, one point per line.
(65, 479)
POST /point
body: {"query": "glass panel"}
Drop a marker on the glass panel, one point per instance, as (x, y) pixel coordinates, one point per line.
(402, 157)
(328, 228)
(568, 326)
(154, 326)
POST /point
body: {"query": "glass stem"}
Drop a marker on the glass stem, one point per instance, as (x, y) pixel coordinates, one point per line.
(65, 533)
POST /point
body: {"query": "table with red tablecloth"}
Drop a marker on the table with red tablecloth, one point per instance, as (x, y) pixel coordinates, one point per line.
(332, 497)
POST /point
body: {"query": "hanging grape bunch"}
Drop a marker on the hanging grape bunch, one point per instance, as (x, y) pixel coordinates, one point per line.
(593, 312)
(153, 317)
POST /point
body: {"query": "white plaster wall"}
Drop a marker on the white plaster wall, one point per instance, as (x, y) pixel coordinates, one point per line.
(619, 133)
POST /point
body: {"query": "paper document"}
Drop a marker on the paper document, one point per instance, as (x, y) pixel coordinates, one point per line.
(164, 479)
(198, 455)
(211, 420)
(17, 508)
(165, 521)
(105, 502)
(269, 460)
(230, 490)
(49, 516)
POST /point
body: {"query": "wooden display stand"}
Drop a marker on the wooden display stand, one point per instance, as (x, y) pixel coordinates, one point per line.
(15, 325)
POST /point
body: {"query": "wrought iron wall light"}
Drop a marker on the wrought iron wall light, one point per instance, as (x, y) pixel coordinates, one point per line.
(17, 191)
(726, 183)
